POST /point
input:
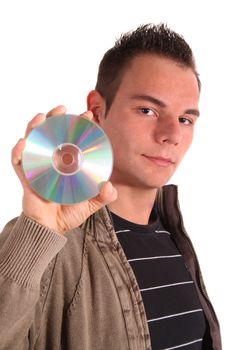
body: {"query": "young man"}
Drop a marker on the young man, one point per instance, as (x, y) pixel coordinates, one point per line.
(119, 271)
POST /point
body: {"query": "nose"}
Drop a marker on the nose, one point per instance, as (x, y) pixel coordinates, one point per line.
(168, 130)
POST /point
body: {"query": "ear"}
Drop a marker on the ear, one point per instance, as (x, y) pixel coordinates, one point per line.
(96, 104)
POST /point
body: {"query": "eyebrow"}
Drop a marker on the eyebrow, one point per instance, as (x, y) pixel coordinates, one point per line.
(160, 103)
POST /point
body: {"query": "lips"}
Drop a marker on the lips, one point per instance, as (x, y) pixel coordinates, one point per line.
(160, 161)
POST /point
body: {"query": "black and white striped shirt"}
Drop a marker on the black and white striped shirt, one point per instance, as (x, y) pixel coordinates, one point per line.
(174, 313)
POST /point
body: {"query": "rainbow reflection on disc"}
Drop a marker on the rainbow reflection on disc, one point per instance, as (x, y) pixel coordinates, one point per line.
(66, 158)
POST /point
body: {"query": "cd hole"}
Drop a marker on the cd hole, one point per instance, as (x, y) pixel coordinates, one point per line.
(67, 158)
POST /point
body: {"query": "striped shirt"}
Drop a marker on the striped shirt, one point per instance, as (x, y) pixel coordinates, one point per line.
(174, 313)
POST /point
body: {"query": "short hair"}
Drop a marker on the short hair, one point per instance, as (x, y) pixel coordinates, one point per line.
(148, 38)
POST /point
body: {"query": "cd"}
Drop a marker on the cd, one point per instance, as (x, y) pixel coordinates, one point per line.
(66, 158)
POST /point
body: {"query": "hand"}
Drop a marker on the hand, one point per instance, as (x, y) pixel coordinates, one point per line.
(60, 218)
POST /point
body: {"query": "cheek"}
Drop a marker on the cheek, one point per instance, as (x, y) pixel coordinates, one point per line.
(189, 139)
(118, 133)
(116, 136)
(186, 143)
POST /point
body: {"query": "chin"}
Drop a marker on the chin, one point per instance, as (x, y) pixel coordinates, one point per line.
(157, 182)
(151, 185)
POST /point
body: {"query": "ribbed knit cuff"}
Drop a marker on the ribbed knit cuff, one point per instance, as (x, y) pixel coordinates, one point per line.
(28, 250)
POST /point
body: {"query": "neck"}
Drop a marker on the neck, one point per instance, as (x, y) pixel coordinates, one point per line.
(133, 204)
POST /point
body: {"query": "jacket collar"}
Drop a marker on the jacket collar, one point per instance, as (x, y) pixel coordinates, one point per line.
(166, 201)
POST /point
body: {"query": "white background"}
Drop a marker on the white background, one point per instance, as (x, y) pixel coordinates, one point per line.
(50, 52)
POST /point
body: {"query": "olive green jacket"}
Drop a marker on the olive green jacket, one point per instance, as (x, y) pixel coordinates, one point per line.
(78, 292)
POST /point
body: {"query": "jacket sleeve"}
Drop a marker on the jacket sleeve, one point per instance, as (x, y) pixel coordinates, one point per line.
(26, 248)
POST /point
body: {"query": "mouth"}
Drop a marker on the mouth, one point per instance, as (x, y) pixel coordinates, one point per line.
(160, 161)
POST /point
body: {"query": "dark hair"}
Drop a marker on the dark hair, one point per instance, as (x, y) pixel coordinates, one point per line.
(149, 38)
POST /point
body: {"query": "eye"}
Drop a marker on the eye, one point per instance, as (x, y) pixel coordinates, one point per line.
(148, 111)
(186, 121)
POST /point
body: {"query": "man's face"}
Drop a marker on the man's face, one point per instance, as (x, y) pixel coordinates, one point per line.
(151, 121)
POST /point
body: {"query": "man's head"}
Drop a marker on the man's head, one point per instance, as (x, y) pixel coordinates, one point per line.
(146, 39)
(147, 104)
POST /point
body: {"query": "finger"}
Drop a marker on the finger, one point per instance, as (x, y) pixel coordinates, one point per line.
(107, 195)
(88, 115)
(59, 110)
(38, 119)
(16, 157)
(16, 153)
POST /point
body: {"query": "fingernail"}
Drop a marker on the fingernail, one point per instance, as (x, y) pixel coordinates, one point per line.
(17, 161)
(109, 188)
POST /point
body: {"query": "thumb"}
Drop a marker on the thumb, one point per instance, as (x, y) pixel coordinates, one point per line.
(107, 195)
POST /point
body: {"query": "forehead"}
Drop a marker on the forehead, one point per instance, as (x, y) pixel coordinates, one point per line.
(153, 74)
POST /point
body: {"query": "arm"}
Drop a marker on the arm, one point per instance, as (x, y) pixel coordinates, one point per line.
(26, 248)
(28, 244)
